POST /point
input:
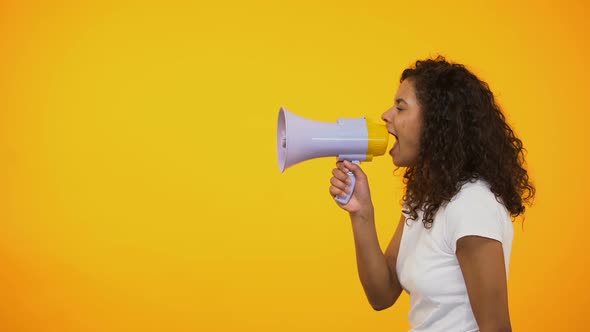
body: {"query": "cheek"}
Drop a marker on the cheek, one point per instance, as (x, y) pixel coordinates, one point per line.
(401, 124)
(416, 130)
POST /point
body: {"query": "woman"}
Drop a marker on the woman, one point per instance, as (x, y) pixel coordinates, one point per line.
(465, 179)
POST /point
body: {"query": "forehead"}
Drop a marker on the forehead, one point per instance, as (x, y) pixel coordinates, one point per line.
(406, 90)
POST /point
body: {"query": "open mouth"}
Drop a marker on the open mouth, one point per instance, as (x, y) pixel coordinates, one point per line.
(395, 144)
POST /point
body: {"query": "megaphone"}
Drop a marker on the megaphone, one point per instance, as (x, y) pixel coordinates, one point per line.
(352, 139)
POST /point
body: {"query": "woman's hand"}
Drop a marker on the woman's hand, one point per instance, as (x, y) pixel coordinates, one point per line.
(360, 203)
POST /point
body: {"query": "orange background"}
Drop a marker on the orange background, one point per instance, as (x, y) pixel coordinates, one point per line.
(139, 188)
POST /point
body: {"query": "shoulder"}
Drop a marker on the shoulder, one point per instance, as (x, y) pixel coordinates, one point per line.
(474, 195)
(475, 210)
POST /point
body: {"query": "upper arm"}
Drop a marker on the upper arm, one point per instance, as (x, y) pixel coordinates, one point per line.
(391, 255)
(482, 264)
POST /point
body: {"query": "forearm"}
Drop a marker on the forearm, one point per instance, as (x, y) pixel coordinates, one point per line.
(374, 273)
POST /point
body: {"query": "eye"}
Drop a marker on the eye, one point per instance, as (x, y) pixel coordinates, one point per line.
(399, 109)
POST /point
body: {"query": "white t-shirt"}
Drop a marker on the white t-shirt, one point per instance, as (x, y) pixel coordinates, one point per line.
(427, 265)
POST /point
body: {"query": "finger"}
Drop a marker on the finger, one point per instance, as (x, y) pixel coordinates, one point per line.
(340, 175)
(339, 184)
(342, 167)
(335, 192)
(349, 165)
(354, 168)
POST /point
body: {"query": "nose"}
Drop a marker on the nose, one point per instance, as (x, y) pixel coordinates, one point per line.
(387, 116)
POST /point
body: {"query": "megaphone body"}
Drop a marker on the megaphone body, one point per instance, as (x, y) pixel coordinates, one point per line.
(352, 139)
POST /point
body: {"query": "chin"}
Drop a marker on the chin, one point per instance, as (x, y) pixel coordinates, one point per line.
(399, 163)
(403, 163)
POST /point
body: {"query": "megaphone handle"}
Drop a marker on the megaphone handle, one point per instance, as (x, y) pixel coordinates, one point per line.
(344, 200)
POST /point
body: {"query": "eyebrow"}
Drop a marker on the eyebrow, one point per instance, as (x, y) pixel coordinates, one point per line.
(400, 100)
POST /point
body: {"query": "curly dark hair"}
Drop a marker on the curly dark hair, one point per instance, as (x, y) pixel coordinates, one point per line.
(464, 137)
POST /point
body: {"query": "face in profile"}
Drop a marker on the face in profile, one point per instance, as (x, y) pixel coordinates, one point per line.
(404, 121)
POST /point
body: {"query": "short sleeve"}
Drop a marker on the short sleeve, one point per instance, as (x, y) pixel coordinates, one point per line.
(474, 211)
